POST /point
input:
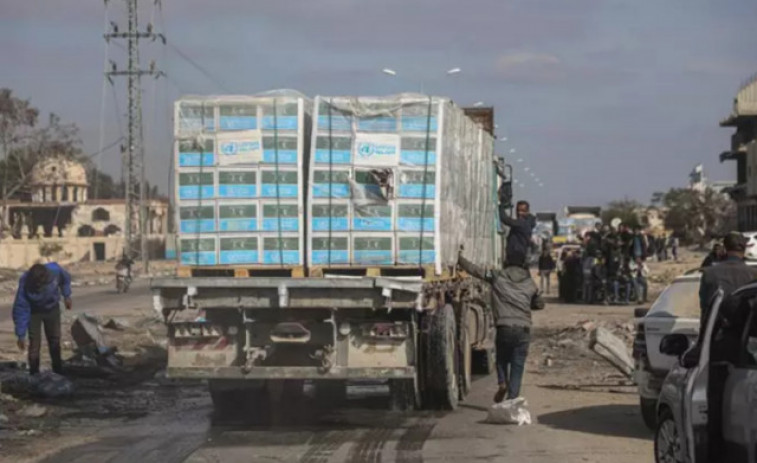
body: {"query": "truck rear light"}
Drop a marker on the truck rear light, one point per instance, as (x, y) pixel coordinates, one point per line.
(397, 330)
(197, 330)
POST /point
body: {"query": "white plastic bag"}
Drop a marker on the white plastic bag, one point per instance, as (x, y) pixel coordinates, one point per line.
(512, 411)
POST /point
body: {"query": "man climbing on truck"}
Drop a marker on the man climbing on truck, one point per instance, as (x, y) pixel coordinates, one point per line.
(514, 295)
(521, 229)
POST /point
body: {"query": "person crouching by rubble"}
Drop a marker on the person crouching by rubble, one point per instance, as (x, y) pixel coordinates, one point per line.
(514, 296)
(37, 305)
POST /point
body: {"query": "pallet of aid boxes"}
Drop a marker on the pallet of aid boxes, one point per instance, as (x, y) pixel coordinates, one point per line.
(399, 181)
(239, 163)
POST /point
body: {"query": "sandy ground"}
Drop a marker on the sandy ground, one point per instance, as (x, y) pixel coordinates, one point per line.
(584, 411)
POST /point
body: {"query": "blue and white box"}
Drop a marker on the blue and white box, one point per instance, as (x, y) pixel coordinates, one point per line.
(196, 152)
(194, 116)
(282, 249)
(329, 249)
(372, 249)
(198, 250)
(239, 183)
(412, 249)
(238, 216)
(281, 149)
(415, 216)
(284, 183)
(237, 116)
(417, 183)
(239, 250)
(418, 151)
(372, 217)
(334, 150)
(334, 183)
(197, 217)
(284, 216)
(196, 184)
(333, 216)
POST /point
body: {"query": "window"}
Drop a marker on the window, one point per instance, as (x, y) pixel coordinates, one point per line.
(86, 230)
(112, 230)
(100, 215)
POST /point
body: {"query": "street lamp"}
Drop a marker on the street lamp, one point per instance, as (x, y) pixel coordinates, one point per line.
(449, 72)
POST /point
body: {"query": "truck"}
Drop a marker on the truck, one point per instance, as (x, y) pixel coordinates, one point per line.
(252, 331)
(584, 218)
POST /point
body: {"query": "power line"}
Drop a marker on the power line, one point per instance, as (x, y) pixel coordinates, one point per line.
(198, 67)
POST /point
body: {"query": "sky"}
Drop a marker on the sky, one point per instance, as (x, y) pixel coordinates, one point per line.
(601, 99)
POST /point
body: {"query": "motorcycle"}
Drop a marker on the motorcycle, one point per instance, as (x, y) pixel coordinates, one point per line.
(123, 280)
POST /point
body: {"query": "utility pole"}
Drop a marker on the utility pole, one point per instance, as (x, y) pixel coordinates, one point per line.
(133, 154)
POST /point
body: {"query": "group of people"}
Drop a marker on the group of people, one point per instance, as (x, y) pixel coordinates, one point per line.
(611, 266)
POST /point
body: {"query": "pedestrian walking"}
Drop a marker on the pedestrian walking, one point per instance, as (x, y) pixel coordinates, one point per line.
(587, 266)
(546, 267)
(514, 296)
(37, 307)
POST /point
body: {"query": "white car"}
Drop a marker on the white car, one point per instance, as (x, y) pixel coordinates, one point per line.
(675, 311)
(751, 245)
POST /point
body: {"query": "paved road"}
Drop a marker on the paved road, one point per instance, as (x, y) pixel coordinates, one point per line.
(95, 299)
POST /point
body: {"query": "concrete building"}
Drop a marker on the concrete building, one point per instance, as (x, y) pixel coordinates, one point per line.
(743, 150)
(63, 223)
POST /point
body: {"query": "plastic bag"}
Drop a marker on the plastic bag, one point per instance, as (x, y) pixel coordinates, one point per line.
(510, 412)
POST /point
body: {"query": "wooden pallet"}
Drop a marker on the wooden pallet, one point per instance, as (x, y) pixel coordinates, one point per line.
(426, 272)
(236, 271)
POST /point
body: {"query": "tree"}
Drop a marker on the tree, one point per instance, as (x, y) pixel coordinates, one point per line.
(697, 217)
(626, 210)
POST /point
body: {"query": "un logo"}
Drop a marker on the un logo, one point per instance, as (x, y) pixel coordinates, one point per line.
(365, 149)
(229, 148)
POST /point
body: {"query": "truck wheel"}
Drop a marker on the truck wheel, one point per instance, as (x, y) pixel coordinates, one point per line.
(330, 393)
(484, 361)
(402, 395)
(443, 359)
(648, 412)
(466, 361)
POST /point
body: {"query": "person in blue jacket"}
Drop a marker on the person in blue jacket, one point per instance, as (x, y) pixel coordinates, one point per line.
(37, 305)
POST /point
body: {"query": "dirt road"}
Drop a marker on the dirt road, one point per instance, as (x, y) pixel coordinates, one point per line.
(583, 411)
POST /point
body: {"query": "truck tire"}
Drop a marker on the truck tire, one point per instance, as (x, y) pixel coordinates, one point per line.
(403, 395)
(648, 409)
(442, 360)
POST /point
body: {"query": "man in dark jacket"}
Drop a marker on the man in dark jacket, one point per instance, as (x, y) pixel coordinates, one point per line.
(714, 257)
(514, 295)
(730, 274)
(521, 229)
(37, 305)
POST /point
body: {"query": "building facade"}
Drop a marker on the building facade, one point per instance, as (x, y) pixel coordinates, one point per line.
(743, 151)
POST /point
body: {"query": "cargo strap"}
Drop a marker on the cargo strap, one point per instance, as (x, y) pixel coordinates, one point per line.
(278, 180)
(331, 164)
(423, 191)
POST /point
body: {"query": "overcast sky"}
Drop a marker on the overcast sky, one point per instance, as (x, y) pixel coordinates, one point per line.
(602, 99)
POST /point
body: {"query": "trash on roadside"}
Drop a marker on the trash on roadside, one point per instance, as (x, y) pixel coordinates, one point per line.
(46, 384)
(116, 324)
(511, 411)
(613, 350)
(85, 331)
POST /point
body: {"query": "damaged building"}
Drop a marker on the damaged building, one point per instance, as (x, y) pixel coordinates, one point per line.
(62, 222)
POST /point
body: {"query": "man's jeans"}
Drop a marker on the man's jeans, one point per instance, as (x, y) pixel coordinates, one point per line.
(51, 323)
(616, 291)
(641, 288)
(545, 276)
(512, 349)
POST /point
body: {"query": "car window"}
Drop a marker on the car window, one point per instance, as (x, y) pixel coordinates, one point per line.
(680, 299)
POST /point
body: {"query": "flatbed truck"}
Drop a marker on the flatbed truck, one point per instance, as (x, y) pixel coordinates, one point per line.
(424, 334)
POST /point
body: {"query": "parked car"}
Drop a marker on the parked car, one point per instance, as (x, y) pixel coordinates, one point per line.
(713, 380)
(675, 311)
(751, 245)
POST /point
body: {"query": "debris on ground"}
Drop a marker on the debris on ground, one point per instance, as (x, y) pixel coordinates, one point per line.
(613, 349)
(116, 324)
(512, 411)
(46, 384)
(32, 411)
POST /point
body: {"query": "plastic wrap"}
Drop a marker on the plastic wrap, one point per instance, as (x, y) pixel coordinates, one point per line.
(240, 163)
(415, 175)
